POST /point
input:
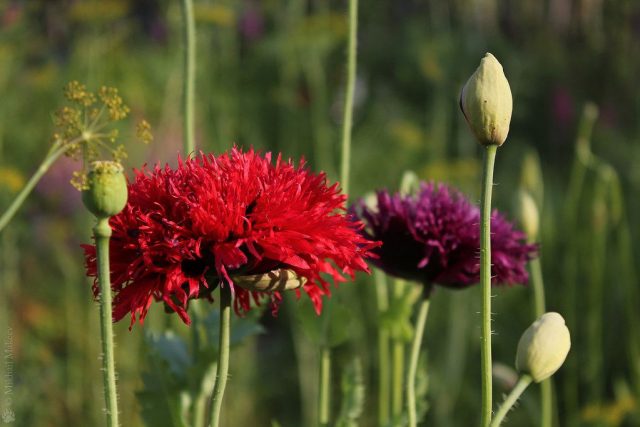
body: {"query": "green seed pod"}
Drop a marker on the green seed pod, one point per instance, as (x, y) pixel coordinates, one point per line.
(106, 195)
(486, 102)
(528, 215)
(275, 280)
(543, 347)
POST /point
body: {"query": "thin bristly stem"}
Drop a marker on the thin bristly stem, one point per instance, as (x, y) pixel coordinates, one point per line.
(485, 281)
(189, 77)
(53, 155)
(223, 358)
(348, 96)
(413, 361)
(324, 410)
(102, 234)
(546, 387)
(513, 397)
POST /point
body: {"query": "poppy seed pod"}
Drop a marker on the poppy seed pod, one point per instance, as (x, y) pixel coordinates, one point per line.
(106, 195)
(486, 102)
(543, 347)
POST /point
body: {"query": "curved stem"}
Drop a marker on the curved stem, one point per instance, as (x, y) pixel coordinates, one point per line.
(223, 357)
(485, 281)
(413, 361)
(324, 411)
(546, 387)
(348, 96)
(189, 77)
(51, 157)
(102, 234)
(513, 397)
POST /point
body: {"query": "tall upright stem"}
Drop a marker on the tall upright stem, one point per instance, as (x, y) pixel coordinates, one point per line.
(102, 234)
(485, 281)
(397, 354)
(413, 361)
(546, 386)
(324, 410)
(382, 298)
(51, 157)
(348, 96)
(189, 77)
(223, 357)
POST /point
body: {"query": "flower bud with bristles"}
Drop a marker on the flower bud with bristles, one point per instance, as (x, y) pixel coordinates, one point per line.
(543, 347)
(486, 102)
(106, 193)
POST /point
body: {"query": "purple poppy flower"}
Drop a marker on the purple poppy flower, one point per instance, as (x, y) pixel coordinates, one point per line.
(433, 237)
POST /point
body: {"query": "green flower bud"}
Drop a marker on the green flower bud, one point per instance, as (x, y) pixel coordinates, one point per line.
(527, 212)
(543, 347)
(106, 195)
(486, 102)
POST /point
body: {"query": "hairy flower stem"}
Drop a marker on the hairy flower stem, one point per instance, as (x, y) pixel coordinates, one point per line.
(189, 77)
(54, 153)
(546, 392)
(485, 281)
(102, 234)
(348, 96)
(513, 397)
(413, 360)
(223, 356)
(324, 410)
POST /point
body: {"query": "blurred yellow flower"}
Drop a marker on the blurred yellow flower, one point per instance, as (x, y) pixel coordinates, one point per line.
(11, 179)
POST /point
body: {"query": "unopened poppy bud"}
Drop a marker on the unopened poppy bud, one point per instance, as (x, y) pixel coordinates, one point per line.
(486, 102)
(528, 215)
(106, 194)
(543, 347)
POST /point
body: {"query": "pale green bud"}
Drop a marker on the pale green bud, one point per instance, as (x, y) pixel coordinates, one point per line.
(528, 215)
(106, 194)
(543, 347)
(486, 102)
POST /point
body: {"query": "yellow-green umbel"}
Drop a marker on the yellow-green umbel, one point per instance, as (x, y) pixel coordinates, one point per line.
(106, 194)
(486, 102)
(543, 347)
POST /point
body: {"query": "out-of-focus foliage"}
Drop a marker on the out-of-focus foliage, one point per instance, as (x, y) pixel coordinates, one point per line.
(271, 74)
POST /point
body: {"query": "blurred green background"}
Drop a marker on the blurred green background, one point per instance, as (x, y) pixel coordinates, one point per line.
(270, 74)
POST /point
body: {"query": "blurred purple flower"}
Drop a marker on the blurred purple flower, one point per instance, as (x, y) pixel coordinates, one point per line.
(56, 190)
(433, 237)
(252, 21)
(562, 106)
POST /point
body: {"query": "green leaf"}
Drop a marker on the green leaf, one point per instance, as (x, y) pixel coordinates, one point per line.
(331, 328)
(161, 399)
(353, 395)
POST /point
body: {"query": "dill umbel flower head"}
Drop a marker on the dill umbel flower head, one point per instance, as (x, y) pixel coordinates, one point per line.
(227, 220)
(433, 238)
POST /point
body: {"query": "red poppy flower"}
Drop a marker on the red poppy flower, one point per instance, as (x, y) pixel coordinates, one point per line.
(186, 230)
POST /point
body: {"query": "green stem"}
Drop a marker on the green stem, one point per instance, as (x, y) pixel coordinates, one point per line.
(223, 357)
(398, 360)
(51, 157)
(189, 77)
(348, 96)
(324, 411)
(102, 234)
(513, 397)
(413, 361)
(546, 389)
(485, 281)
(384, 357)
